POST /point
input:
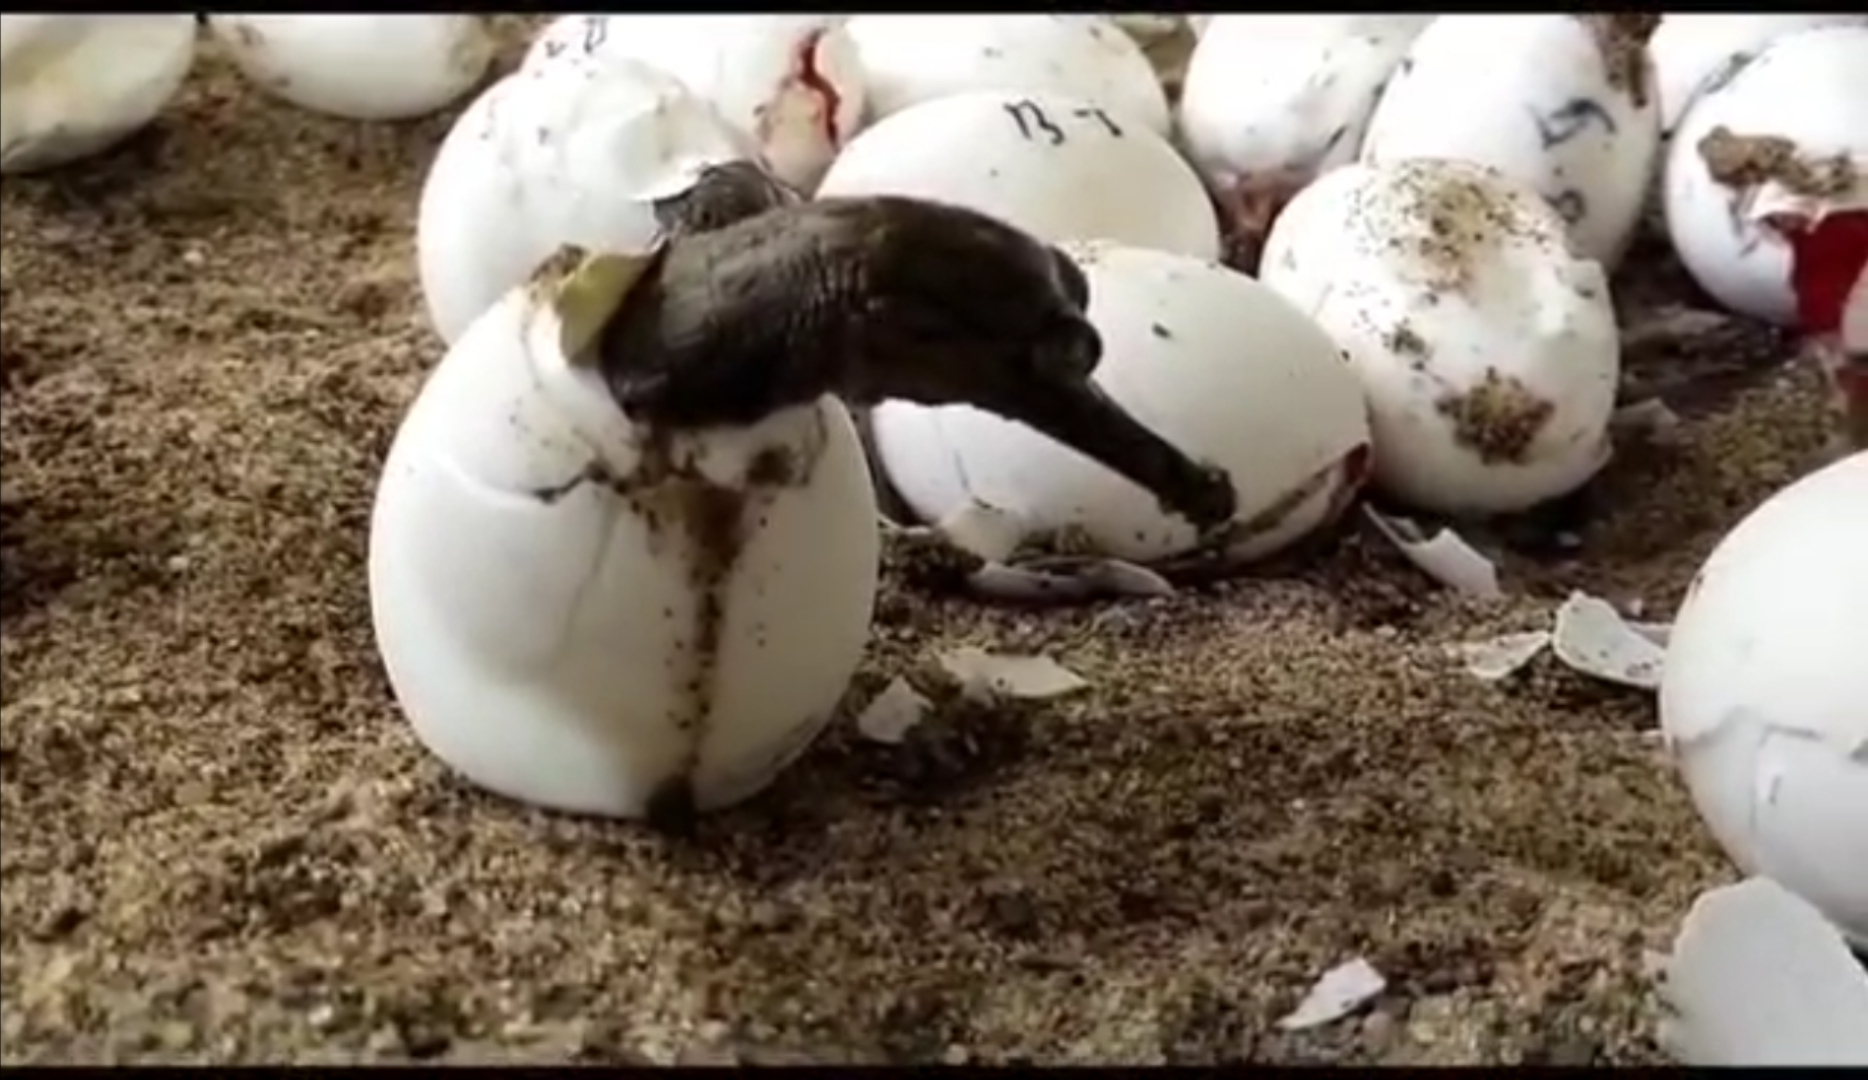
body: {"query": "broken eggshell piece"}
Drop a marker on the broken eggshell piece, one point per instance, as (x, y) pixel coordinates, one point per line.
(1058, 167)
(1564, 104)
(791, 83)
(577, 151)
(909, 59)
(578, 613)
(360, 67)
(1220, 366)
(74, 85)
(1488, 351)
(1786, 133)
(1764, 696)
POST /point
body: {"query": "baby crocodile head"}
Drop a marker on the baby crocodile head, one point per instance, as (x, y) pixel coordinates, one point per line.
(878, 298)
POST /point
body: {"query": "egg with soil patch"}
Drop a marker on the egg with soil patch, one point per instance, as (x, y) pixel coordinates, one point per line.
(1488, 350)
(1562, 103)
(587, 615)
(1220, 366)
(1058, 167)
(576, 150)
(1272, 101)
(360, 67)
(75, 85)
(791, 82)
(1694, 51)
(1764, 698)
(909, 59)
(1784, 133)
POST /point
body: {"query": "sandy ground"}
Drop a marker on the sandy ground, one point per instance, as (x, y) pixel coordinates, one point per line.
(222, 843)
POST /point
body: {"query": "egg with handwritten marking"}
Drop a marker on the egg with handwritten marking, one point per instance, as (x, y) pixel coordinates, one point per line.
(1695, 51)
(1487, 348)
(1059, 167)
(1563, 103)
(791, 82)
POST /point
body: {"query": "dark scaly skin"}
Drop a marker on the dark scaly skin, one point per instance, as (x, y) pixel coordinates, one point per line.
(871, 299)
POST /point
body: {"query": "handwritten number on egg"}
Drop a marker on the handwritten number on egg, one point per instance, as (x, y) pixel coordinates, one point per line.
(1723, 75)
(1569, 120)
(596, 32)
(1033, 121)
(1570, 205)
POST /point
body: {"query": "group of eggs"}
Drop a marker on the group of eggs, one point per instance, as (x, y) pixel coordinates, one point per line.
(1455, 191)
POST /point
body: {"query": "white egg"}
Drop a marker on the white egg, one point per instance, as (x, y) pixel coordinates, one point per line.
(791, 82)
(1694, 51)
(360, 67)
(909, 59)
(573, 615)
(74, 85)
(1809, 88)
(575, 151)
(1488, 350)
(1542, 99)
(1271, 101)
(1055, 166)
(1764, 699)
(1219, 365)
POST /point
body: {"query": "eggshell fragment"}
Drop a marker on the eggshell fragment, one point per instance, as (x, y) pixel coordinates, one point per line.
(1785, 131)
(1488, 352)
(1762, 698)
(1057, 167)
(1205, 356)
(571, 153)
(1553, 101)
(75, 85)
(1693, 51)
(792, 83)
(909, 59)
(562, 620)
(360, 67)
(1271, 101)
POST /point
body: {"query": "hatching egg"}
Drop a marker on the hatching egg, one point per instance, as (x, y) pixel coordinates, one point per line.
(584, 614)
(1488, 350)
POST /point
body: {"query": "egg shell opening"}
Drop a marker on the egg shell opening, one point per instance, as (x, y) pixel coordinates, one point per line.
(1715, 228)
(793, 84)
(551, 639)
(1762, 698)
(1057, 167)
(1488, 352)
(910, 59)
(1531, 96)
(75, 85)
(360, 67)
(1214, 362)
(571, 153)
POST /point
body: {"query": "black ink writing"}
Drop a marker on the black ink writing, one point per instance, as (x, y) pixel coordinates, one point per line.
(1570, 120)
(596, 32)
(1099, 115)
(1723, 75)
(1031, 120)
(1570, 205)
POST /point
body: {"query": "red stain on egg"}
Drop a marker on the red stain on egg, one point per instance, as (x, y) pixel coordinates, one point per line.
(813, 79)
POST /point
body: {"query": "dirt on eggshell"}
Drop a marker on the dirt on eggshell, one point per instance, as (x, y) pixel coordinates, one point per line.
(222, 843)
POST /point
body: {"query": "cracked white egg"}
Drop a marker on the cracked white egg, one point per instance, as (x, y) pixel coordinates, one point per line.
(1488, 350)
(1694, 51)
(75, 85)
(360, 67)
(790, 82)
(1272, 101)
(1058, 167)
(1219, 365)
(572, 152)
(909, 59)
(1764, 697)
(1563, 103)
(575, 612)
(1784, 130)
